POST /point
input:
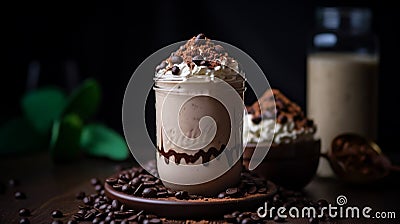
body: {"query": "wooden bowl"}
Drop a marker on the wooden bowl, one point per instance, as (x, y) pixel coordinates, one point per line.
(289, 165)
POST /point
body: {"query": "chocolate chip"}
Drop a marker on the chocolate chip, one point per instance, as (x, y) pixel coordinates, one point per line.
(24, 212)
(149, 192)
(197, 59)
(56, 214)
(176, 59)
(24, 221)
(256, 120)
(282, 119)
(19, 195)
(175, 70)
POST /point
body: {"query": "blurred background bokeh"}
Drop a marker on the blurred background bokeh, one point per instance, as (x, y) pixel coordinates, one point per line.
(65, 42)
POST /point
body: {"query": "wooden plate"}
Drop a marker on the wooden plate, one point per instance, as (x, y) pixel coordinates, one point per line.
(192, 209)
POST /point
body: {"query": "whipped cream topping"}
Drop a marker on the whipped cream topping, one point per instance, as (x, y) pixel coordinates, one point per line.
(198, 57)
(280, 121)
(267, 131)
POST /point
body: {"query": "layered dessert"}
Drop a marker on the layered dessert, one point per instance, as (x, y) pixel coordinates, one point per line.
(199, 117)
(294, 152)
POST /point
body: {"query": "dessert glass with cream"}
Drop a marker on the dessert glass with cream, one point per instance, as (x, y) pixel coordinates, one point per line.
(199, 118)
(293, 157)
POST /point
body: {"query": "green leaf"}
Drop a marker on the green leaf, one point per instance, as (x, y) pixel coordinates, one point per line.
(85, 100)
(42, 107)
(65, 138)
(99, 140)
(18, 136)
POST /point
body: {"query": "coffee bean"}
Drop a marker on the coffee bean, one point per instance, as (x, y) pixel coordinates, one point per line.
(200, 36)
(149, 192)
(246, 221)
(95, 181)
(117, 187)
(111, 180)
(121, 181)
(235, 214)
(134, 182)
(254, 217)
(181, 195)
(115, 204)
(96, 220)
(109, 219)
(24, 212)
(98, 188)
(221, 195)
(138, 190)
(232, 191)
(229, 218)
(155, 221)
(162, 194)
(89, 216)
(176, 59)
(72, 222)
(80, 195)
(175, 70)
(262, 190)
(56, 214)
(126, 188)
(87, 200)
(19, 195)
(252, 190)
(149, 183)
(24, 221)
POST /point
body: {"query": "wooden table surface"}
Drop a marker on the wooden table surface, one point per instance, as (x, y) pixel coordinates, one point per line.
(50, 186)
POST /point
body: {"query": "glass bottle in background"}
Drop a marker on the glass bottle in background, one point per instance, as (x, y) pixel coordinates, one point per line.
(342, 76)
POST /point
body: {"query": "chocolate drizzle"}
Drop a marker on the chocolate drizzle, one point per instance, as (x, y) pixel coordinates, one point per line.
(205, 156)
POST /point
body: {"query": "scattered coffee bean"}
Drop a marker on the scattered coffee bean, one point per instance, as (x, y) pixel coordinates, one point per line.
(175, 70)
(182, 195)
(56, 214)
(87, 200)
(115, 204)
(149, 192)
(95, 181)
(221, 195)
(72, 222)
(24, 221)
(19, 195)
(229, 218)
(278, 218)
(24, 212)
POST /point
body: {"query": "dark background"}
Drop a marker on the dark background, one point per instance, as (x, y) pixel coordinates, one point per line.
(108, 40)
